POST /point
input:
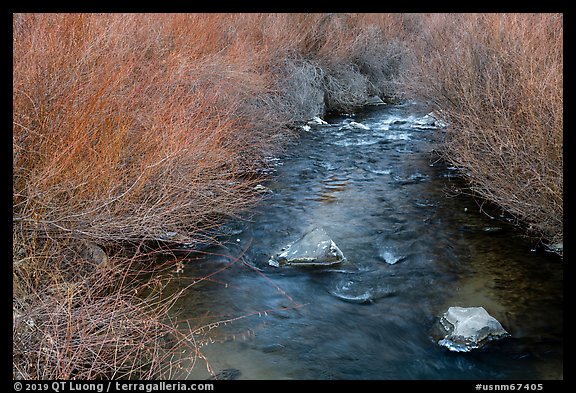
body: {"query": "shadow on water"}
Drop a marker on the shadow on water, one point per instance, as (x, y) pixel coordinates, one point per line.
(413, 250)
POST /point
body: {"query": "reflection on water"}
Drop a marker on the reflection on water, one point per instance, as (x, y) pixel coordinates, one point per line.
(413, 251)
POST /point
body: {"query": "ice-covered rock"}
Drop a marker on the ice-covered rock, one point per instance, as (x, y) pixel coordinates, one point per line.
(317, 121)
(426, 121)
(432, 120)
(354, 125)
(557, 248)
(440, 123)
(469, 328)
(314, 248)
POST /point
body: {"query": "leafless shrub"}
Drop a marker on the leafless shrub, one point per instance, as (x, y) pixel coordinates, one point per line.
(380, 60)
(499, 79)
(346, 88)
(335, 61)
(302, 91)
(105, 322)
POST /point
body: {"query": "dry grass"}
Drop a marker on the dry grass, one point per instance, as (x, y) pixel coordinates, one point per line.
(499, 80)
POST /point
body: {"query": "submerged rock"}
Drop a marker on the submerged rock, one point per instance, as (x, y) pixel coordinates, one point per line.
(361, 291)
(226, 374)
(390, 256)
(492, 229)
(469, 328)
(315, 248)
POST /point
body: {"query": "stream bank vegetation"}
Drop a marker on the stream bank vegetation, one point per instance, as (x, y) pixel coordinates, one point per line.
(129, 129)
(499, 81)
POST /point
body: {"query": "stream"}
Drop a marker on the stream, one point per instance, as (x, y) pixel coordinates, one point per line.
(414, 248)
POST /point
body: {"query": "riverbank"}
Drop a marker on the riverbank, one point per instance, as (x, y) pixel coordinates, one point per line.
(132, 131)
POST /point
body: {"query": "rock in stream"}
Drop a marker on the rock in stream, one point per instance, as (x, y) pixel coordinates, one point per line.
(469, 328)
(314, 248)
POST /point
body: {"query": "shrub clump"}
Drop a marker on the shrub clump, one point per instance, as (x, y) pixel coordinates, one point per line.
(498, 79)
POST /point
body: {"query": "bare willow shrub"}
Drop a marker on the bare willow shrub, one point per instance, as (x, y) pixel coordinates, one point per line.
(120, 135)
(335, 61)
(346, 88)
(86, 321)
(379, 51)
(372, 47)
(363, 55)
(499, 80)
(117, 138)
(303, 91)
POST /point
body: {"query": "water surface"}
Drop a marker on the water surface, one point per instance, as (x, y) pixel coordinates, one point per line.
(415, 248)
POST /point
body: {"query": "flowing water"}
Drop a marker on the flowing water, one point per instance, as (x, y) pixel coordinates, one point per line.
(414, 248)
